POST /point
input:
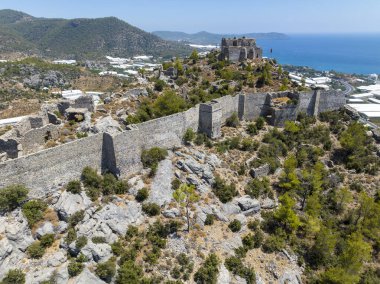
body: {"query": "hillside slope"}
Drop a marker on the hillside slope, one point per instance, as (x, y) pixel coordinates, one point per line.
(80, 38)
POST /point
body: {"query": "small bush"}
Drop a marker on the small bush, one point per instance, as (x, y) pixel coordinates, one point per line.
(225, 192)
(260, 122)
(258, 239)
(189, 136)
(249, 241)
(273, 243)
(150, 158)
(91, 178)
(235, 226)
(209, 219)
(151, 209)
(258, 187)
(253, 225)
(80, 242)
(76, 218)
(74, 187)
(209, 271)
(71, 236)
(233, 120)
(106, 270)
(35, 250)
(252, 129)
(201, 139)
(117, 248)
(14, 276)
(236, 266)
(12, 197)
(99, 240)
(176, 183)
(132, 231)
(47, 240)
(142, 195)
(93, 193)
(33, 211)
(75, 268)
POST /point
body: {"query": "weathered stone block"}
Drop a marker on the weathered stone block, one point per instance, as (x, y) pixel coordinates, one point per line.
(260, 171)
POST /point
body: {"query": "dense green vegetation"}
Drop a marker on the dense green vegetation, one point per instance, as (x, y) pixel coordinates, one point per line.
(12, 197)
(55, 37)
(14, 276)
(96, 185)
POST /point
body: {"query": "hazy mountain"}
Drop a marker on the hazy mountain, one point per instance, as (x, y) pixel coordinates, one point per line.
(80, 38)
(210, 38)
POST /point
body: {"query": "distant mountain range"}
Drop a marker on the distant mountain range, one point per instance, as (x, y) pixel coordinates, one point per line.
(205, 38)
(80, 38)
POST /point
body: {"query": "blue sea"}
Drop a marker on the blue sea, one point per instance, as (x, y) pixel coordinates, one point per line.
(359, 53)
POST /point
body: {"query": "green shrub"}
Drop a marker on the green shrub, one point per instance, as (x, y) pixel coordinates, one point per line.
(12, 197)
(81, 242)
(99, 240)
(128, 255)
(208, 271)
(74, 268)
(142, 194)
(33, 211)
(260, 122)
(159, 85)
(236, 266)
(93, 193)
(225, 192)
(176, 183)
(35, 250)
(249, 145)
(252, 129)
(233, 120)
(253, 225)
(106, 270)
(150, 158)
(90, 178)
(108, 184)
(200, 139)
(47, 240)
(132, 231)
(76, 218)
(74, 187)
(209, 219)
(258, 239)
(273, 243)
(151, 209)
(14, 276)
(249, 241)
(121, 187)
(117, 248)
(235, 226)
(129, 272)
(189, 136)
(71, 236)
(258, 187)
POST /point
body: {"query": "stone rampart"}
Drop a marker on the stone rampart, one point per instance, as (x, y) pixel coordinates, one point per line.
(120, 153)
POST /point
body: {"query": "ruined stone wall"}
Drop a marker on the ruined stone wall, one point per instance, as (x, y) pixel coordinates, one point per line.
(120, 153)
(36, 138)
(255, 105)
(331, 100)
(51, 168)
(307, 102)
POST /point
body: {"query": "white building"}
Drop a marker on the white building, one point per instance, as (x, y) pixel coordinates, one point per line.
(65, 62)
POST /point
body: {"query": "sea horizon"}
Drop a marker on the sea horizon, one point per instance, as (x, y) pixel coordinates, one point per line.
(352, 53)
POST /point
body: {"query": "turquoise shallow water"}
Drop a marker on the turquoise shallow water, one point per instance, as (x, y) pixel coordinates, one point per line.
(359, 53)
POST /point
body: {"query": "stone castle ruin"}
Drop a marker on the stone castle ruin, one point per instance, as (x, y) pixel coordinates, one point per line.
(119, 153)
(239, 50)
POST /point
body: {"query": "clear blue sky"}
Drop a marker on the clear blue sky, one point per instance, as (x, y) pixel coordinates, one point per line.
(223, 16)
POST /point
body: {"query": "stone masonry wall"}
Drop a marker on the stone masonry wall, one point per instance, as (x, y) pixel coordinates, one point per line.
(49, 169)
